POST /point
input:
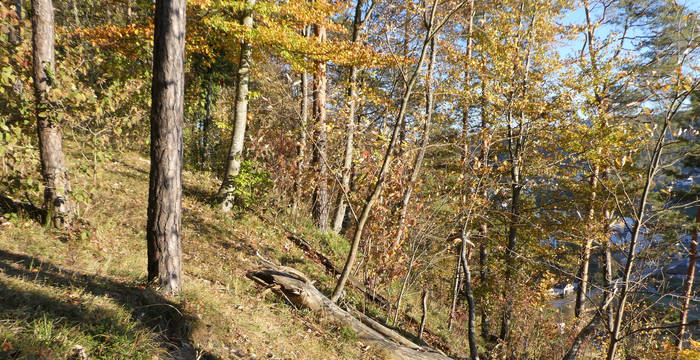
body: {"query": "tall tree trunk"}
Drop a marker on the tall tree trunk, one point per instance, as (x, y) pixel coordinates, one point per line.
(423, 147)
(471, 325)
(510, 249)
(381, 177)
(301, 145)
(321, 206)
(425, 314)
(226, 193)
(586, 258)
(483, 228)
(688, 287)
(57, 202)
(639, 218)
(167, 115)
(455, 291)
(352, 99)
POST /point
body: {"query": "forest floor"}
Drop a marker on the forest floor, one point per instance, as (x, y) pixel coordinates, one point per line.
(84, 291)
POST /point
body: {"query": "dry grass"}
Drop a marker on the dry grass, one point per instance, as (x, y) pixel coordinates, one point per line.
(86, 287)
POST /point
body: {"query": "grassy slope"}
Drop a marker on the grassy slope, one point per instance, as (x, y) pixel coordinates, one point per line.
(85, 288)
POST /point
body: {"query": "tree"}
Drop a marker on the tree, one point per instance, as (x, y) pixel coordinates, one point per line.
(233, 167)
(57, 202)
(321, 204)
(165, 179)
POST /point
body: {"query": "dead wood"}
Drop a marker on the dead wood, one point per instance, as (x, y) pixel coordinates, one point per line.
(296, 288)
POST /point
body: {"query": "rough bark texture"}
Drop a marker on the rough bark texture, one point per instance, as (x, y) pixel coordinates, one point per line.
(321, 205)
(688, 287)
(165, 185)
(377, 189)
(233, 167)
(295, 288)
(423, 147)
(350, 131)
(57, 203)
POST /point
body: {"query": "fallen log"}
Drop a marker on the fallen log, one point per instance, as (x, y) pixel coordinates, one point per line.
(318, 257)
(300, 292)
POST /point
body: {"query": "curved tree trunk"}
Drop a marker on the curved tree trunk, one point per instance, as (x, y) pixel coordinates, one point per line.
(57, 202)
(165, 180)
(226, 193)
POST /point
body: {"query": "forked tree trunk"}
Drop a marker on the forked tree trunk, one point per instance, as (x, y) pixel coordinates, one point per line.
(226, 193)
(321, 205)
(377, 189)
(350, 135)
(688, 287)
(57, 202)
(165, 180)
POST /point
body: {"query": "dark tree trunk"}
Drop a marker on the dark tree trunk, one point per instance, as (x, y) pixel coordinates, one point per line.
(227, 191)
(688, 287)
(321, 205)
(206, 123)
(165, 185)
(303, 128)
(57, 203)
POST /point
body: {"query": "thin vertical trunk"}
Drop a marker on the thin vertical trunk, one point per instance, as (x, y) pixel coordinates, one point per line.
(467, 77)
(233, 168)
(483, 228)
(206, 123)
(167, 114)
(455, 291)
(471, 325)
(57, 202)
(404, 286)
(321, 206)
(586, 258)
(607, 249)
(639, 218)
(688, 287)
(423, 147)
(425, 315)
(352, 98)
(381, 177)
(301, 145)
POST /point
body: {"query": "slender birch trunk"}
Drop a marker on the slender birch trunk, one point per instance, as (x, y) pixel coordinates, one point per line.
(226, 193)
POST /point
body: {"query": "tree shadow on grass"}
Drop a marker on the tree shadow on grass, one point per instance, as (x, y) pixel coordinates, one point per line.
(8, 205)
(48, 298)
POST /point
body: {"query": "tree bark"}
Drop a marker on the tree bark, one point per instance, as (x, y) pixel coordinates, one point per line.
(301, 145)
(167, 114)
(228, 187)
(349, 147)
(425, 315)
(586, 258)
(471, 325)
(377, 189)
(321, 206)
(455, 291)
(429, 101)
(206, 123)
(688, 287)
(57, 202)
